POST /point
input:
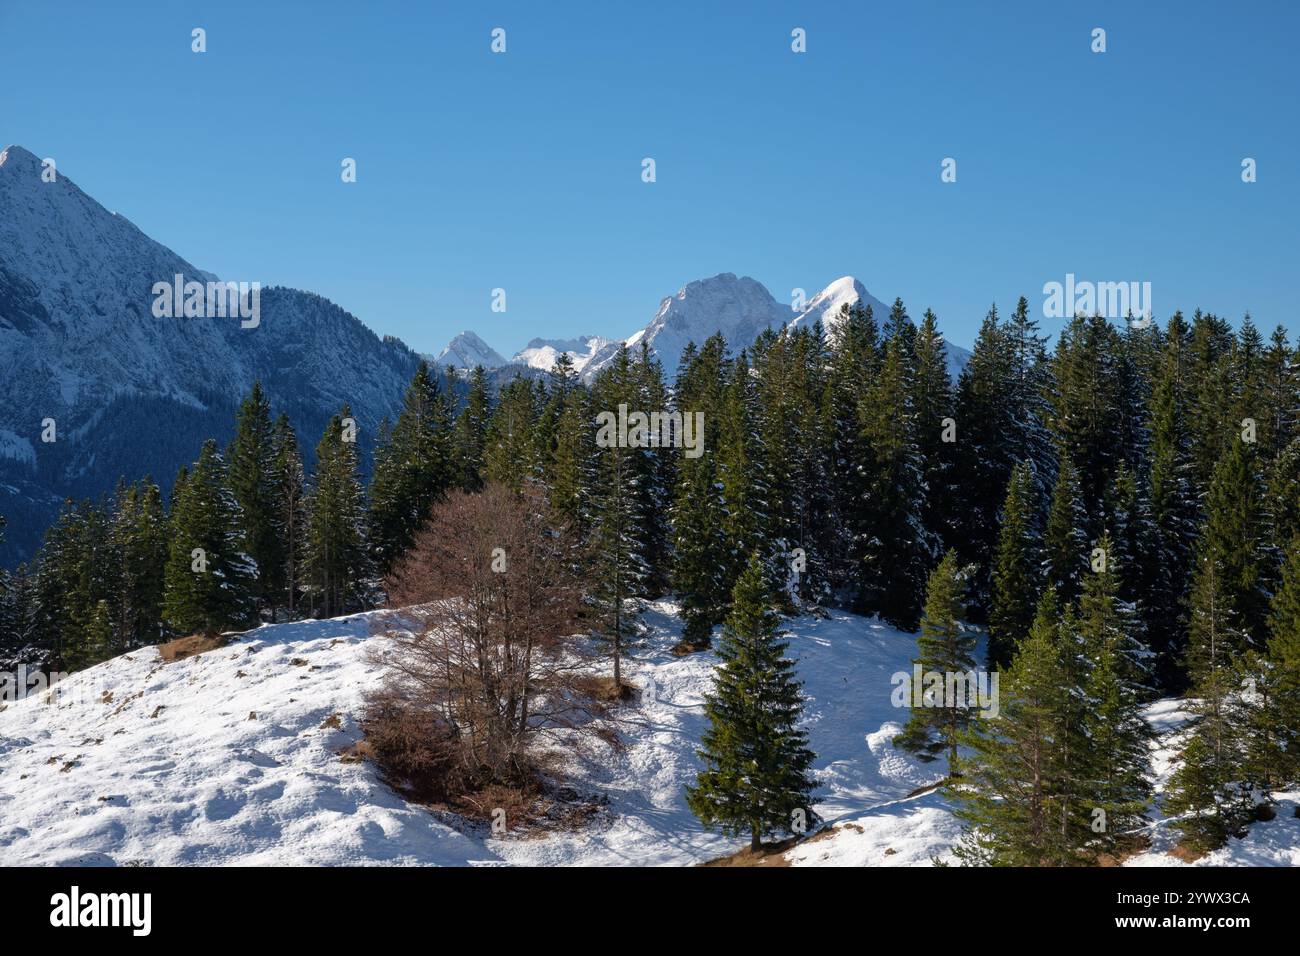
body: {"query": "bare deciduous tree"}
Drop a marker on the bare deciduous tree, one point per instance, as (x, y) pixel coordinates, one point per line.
(490, 658)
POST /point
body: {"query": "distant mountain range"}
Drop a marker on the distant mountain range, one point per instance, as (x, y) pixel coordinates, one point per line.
(86, 359)
(738, 307)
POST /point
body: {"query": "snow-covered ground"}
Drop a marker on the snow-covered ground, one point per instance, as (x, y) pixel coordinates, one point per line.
(232, 757)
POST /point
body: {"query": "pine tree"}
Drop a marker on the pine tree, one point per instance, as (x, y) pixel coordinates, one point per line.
(469, 438)
(1284, 667)
(756, 759)
(1065, 541)
(932, 404)
(1016, 571)
(139, 540)
(1207, 785)
(1014, 795)
(698, 510)
(619, 564)
(291, 512)
(946, 648)
(250, 459)
(1233, 538)
(412, 469)
(209, 577)
(1173, 509)
(1117, 789)
(897, 550)
(335, 558)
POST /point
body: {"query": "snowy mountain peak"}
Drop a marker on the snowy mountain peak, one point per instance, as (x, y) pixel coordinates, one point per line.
(543, 353)
(14, 158)
(467, 350)
(827, 304)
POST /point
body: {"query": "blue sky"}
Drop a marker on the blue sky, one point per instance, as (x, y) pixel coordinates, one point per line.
(523, 170)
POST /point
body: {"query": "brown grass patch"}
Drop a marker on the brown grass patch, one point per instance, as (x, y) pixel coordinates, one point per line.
(601, 688)
(1186, 853)
(192, 646)
(332, 722)
(682, 648)
(769, 854)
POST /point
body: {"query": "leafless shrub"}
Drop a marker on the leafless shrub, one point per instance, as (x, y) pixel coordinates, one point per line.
(490, 659)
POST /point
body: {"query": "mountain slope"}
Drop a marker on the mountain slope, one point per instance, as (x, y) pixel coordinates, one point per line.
(79, 344)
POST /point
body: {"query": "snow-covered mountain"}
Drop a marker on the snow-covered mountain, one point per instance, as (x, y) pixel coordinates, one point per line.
(741, 308)
(92, 776)
(466, 351)
(543, 353)
(131, 393)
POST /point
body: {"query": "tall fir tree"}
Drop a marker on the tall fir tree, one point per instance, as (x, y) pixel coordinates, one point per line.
(209, 577)
(944, 647)
(336, 565)
(1065, 539)
(757, 761)
(1016, 577)
(250, 463)
(412, 469)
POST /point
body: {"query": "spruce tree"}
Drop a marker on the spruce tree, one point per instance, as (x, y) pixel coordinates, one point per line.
(1284, 666)
(1206, 790)
(1016, 570)
(944, 647)
(1065, 541)
(291, 512)
(209, 577)
(412, 469)
(250, 459)
(469, 436)
(1013, 795)
(335, 556)
(1117, 788)
(756, 776)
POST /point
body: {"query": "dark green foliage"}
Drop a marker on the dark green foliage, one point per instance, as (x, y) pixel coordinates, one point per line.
(756, 759)
(336, 563)
(944, 647)
(209, 577)
(1016, 577)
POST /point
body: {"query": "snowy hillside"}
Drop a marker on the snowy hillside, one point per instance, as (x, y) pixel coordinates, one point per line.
(233, 757)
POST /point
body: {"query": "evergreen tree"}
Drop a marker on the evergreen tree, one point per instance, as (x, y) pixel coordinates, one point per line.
(412, 469)
(1284, 668)
(944, 647)
(1065, 542)
(1014, 797)
(1207, 786)
(208, 578)
(1015, 572)
(756, 759)
(335, 558)
(932, 404)
(250, 460)
(897, 549)
(291, 511)
(1117, 789)
(469, 438)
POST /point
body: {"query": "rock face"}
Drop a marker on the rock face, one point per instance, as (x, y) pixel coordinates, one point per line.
(128, 392)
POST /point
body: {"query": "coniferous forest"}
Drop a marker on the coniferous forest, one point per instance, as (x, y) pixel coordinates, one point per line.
(1119, 513)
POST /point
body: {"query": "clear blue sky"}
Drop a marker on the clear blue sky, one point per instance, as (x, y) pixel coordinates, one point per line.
(522, 170)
